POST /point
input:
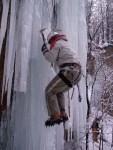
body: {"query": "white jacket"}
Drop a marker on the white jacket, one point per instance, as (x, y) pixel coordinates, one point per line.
(61, 53)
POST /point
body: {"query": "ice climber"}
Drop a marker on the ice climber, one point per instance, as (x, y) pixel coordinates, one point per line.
(61, 54)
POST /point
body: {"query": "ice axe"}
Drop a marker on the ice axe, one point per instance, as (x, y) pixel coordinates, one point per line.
(43, 37)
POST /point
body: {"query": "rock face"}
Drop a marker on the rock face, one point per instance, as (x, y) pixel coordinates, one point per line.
(3, 97)
(1, 9)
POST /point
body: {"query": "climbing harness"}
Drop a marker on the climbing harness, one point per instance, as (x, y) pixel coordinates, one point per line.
(65, 79)
(71, 68)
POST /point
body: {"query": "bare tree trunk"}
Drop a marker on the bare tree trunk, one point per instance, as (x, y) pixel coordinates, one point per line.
(88, 114)
(112, 137)
(102, 24)
(102, 123)
(107, 21)
(100, 141)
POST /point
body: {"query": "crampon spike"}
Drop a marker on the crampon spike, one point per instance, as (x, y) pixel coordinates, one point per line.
(49, 123)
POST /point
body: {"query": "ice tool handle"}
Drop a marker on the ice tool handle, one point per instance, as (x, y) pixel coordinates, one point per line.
(43, 37)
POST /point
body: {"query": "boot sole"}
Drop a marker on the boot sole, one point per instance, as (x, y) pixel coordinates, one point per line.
(53, 123)
(64, 119)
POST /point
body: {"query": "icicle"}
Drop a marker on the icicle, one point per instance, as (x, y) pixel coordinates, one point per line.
(10, 43)
(9, 56)
(26, 43)
(72, 93)
(22, 60)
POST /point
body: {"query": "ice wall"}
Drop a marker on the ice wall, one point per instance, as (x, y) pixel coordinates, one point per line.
(25, 127)
(72, 21)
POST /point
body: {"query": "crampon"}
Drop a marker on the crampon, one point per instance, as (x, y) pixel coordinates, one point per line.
(64, 116)
(57, 119)
(51, 122)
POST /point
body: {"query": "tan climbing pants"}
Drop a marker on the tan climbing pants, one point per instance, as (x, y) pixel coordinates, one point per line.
(54, 91)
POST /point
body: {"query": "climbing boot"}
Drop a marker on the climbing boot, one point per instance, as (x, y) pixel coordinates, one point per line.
(55, 119)
(64, 116)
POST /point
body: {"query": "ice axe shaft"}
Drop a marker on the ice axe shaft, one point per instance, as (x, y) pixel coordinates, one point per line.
(43, 37)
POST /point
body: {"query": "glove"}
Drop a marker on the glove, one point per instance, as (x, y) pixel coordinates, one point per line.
(44, 48)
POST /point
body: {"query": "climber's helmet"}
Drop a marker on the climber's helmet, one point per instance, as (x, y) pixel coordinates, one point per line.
(51, 35)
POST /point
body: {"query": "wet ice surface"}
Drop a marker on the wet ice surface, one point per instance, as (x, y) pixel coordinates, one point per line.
(25, 128)
(69, 145)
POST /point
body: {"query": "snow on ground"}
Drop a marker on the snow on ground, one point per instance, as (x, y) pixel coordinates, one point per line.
(107, 123)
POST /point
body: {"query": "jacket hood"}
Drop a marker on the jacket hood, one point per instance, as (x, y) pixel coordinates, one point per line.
(57, 38)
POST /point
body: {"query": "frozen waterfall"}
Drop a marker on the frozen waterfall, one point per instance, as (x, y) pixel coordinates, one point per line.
(28, 73)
